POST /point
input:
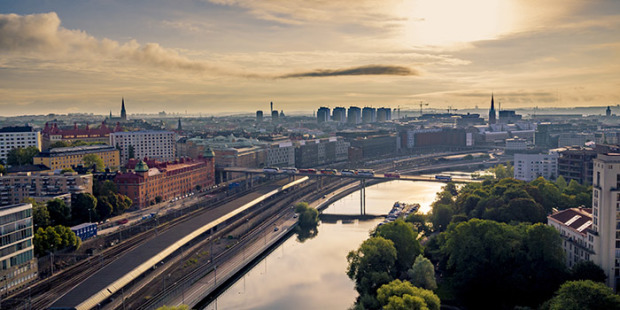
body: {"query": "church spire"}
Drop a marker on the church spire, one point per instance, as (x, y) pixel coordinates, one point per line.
(123, 112)
(492, 115)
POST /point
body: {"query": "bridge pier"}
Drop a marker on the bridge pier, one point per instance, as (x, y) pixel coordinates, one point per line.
(363, 197)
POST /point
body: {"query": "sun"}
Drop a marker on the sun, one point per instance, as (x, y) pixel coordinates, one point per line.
(446, 22)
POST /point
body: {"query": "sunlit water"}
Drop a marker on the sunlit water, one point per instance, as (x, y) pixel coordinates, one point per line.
(312, 275)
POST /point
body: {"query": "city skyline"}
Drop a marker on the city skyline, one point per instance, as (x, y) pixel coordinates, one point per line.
(228, 56)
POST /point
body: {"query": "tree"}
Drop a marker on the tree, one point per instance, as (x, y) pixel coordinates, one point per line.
(40, 216)
(159, 199)
(93, 159)
(441, 216)
(84, 208)
(422, 273)
(58, 144)
(400, 289)
(405, 242)
(587, 270)
(21, 156)
(67, 170)
(104, 208)
(54, 238)
(561, 183)
(585, 294)
(308, 221)
(372, 265)
(419, 223)
(60, 213)
(2, 169)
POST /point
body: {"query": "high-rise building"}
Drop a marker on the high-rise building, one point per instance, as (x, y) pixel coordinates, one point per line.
(608, 111)
(19, 265)
(139, 144)
(339, 114)
(18, 137)
(179, 125)
(542, 136)
(259, 116)
(274, 116)
(492, 115)
(354, 115)
(384, 114)
(369, 115)
(322, 115)
(604, 238)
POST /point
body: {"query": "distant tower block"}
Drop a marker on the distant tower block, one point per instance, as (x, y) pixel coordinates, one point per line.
(274, 116)
(272, 108)
(322, 115)
(259, 116)
(608, 111)
(492, 114)
(179, 126)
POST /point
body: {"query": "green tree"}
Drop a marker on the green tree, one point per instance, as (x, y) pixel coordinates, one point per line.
(58, 144)
(159, 199)
(422, 273)
(93, 159)
(585, 294)
(60, 213)
(405, 302)
(441, 215)
(502, 172)
(372, 265)
(561, 183)
(67, 170)
(405, 242)
(84, 208)
(587, 270)
(2, 170)
(104, 208)
(398, 288)
(21, 156)
(308, 221)
(419, 223)
(40, 216)
(54, 238)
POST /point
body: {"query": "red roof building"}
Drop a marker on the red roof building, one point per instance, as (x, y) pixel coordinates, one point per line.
(52, 133)
(150, 179)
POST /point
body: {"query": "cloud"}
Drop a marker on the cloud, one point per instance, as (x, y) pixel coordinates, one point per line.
(363, 70)
(42, 36)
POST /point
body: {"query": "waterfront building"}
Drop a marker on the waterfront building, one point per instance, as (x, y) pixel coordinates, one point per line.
(159, 145)
(149, 178)
(44, 186)
(529, 167)
(18, 137)
(19, 265)
(71, 157)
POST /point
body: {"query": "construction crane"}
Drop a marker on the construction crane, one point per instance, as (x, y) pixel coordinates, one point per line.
(422, 104)
(451, 109)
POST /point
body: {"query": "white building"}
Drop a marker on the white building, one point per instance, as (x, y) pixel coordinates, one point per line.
(19, 265)
(605, 236)
(573, 225)
(159, 145)
(15, 137)
(529, 167)
(280, 155)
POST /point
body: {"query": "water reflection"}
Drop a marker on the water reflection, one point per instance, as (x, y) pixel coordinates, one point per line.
(312, 275)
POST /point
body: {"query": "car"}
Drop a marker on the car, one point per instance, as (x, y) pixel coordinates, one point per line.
(271, 170)
(365, 172)
(329, 171)
(295, 216)
(276, 229)
(348, 172)
(290, 170)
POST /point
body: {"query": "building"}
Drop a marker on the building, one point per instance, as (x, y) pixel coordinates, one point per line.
(151, 180)
(508, 117)
(123, 111)
(516, 144)
(492, 114)
(608, 111)
(576, 163)
(604, 237)
(572, 138)
(339, 114)
(468, 119)
(248, 157)
(259, 116)
(280, 155)
(312, 153)
(52, 133)
(542, 136)
(85, 230)
(18, 137)
(47, 185)
(70, 157)
(529, 167)
(369, 115)
(432, 137)
(384, 114)
(354, 115)
(139, 144)
(573, 225)
(322, 115)
(19, 265)
(274, 116)
(376, 145)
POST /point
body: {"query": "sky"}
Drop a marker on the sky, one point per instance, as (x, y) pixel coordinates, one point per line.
(236, 56)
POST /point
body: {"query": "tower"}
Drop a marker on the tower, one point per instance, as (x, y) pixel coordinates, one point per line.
(608, 111)
(179, 126)
(123, 112)
(492, 115)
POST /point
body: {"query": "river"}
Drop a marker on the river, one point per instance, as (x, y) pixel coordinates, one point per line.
(312, 274)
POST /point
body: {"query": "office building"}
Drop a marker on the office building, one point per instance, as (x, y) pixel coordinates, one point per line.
(43, 186)
(529, 167)
(71, 157)
(18, 137)
(19, 265)
(158, 145)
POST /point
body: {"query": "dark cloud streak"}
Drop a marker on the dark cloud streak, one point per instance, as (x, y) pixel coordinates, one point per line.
(363, 70)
